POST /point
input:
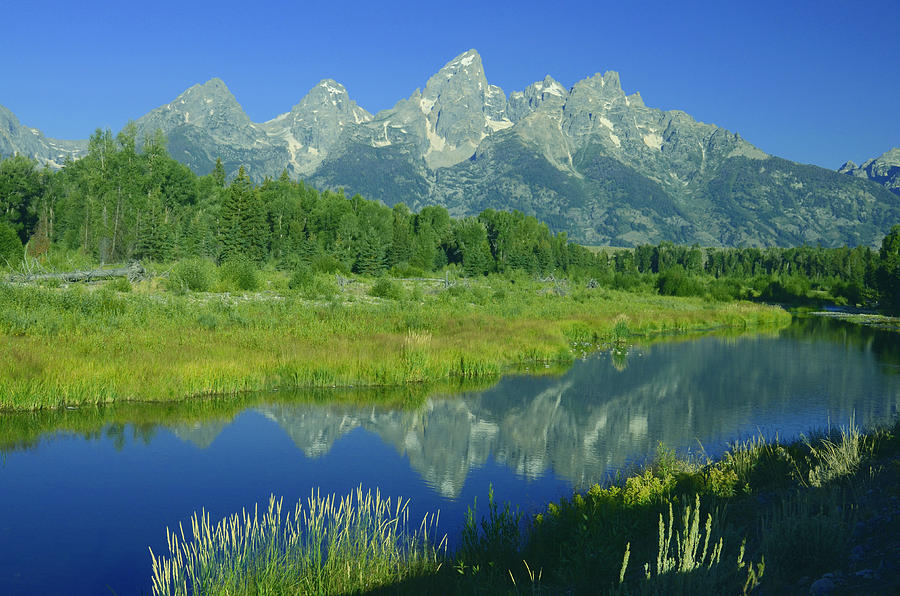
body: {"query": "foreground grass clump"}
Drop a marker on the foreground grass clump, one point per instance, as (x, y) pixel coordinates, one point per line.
(333, 546)
(764, 515)
(79, 345)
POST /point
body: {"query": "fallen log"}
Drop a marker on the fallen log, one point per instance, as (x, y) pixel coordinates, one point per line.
(134, 272)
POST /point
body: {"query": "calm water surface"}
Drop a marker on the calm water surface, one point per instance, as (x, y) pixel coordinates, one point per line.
(84, 493)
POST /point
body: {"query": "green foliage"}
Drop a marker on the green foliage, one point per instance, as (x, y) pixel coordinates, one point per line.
(888, 273)
(831, 460)
(301, 277)
(675, 282)
(328, 264)
(22, 187)
(386, 288)
(120, 284)
(491, 542)
(329, 545)
(195, 275)
(240, 274)
(11, 249)
(123, 202)
(406, 270)
(242, 225)
(806, 534)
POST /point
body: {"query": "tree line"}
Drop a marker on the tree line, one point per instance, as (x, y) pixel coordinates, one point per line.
(123, 202)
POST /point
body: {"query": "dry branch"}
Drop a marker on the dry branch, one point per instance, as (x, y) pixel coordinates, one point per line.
(133, 272)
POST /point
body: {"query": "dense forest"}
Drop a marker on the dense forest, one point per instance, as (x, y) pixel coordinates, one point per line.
(123, 202)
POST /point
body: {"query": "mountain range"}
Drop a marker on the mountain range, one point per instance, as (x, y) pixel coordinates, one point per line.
(590, 160)
(884, 170)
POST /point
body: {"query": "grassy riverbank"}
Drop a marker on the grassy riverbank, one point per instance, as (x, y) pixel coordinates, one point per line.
(85, 345)
(770, 515)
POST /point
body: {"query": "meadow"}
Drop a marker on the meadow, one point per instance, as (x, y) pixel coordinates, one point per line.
(195, 329)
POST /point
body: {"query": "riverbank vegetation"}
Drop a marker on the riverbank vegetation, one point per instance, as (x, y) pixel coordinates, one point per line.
(77, 345)
(765, 514)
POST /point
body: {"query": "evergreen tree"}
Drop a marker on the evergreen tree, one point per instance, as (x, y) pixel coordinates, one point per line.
(242, 224)
(888, 276)
(218, 173)
(22, 186)
(10, 245)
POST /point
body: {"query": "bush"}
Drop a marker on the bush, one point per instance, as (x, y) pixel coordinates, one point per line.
(675, 282)
(11, 249)
(407, 270)
(328, 264)
(240, 274)
(724, 289)
(193, 275)
(386, 288)
(302, 277)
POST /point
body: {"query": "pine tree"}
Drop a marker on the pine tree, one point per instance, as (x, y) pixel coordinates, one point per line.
(242, 225)
(218, 173)
(370, 260)
(888, 275)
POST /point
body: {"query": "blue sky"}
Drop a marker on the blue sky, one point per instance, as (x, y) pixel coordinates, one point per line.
(815, 82)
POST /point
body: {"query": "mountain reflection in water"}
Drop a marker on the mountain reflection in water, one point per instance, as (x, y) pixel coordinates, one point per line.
(125, 472)
(612, 409)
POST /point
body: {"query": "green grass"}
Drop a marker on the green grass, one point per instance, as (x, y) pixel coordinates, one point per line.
(749, 519)
(332, 546)
(80, 345)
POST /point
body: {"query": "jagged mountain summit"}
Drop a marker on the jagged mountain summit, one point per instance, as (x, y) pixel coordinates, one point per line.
(884, 169)
(18, 138)
(589, 159)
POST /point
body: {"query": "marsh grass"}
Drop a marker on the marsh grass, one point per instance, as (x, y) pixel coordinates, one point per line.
(334, 545)
(773, 512)
(675, 527)
(837, 456)
(692, 564)
(77, 345)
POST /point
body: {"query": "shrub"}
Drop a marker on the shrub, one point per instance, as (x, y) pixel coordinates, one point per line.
(240, 274)
(386, 288)
(312, 286)
(407, 270)
(193, 275)
(329, 264)
(302, 277)
(675, 282)
(11, 249)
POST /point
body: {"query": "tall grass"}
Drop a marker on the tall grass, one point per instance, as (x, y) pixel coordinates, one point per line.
(756, 528)
(76, 345)
(332, 546)
(683, 567)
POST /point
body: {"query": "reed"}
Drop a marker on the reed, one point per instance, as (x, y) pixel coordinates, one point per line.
(743, 536)
(332, 546)
(76, 346)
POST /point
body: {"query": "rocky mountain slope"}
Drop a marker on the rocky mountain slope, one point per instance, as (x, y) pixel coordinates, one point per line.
(17, 138)
(884, 170)
(590, 160)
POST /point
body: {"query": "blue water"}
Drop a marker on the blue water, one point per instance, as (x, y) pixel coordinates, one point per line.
(78, 511)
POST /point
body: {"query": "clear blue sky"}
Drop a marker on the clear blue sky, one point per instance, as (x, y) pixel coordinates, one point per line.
(814, 81)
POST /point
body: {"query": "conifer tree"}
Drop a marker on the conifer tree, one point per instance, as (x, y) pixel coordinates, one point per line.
(218, 173)
(242, 225)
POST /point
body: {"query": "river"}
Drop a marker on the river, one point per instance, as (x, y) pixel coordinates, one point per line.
(84, 493)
